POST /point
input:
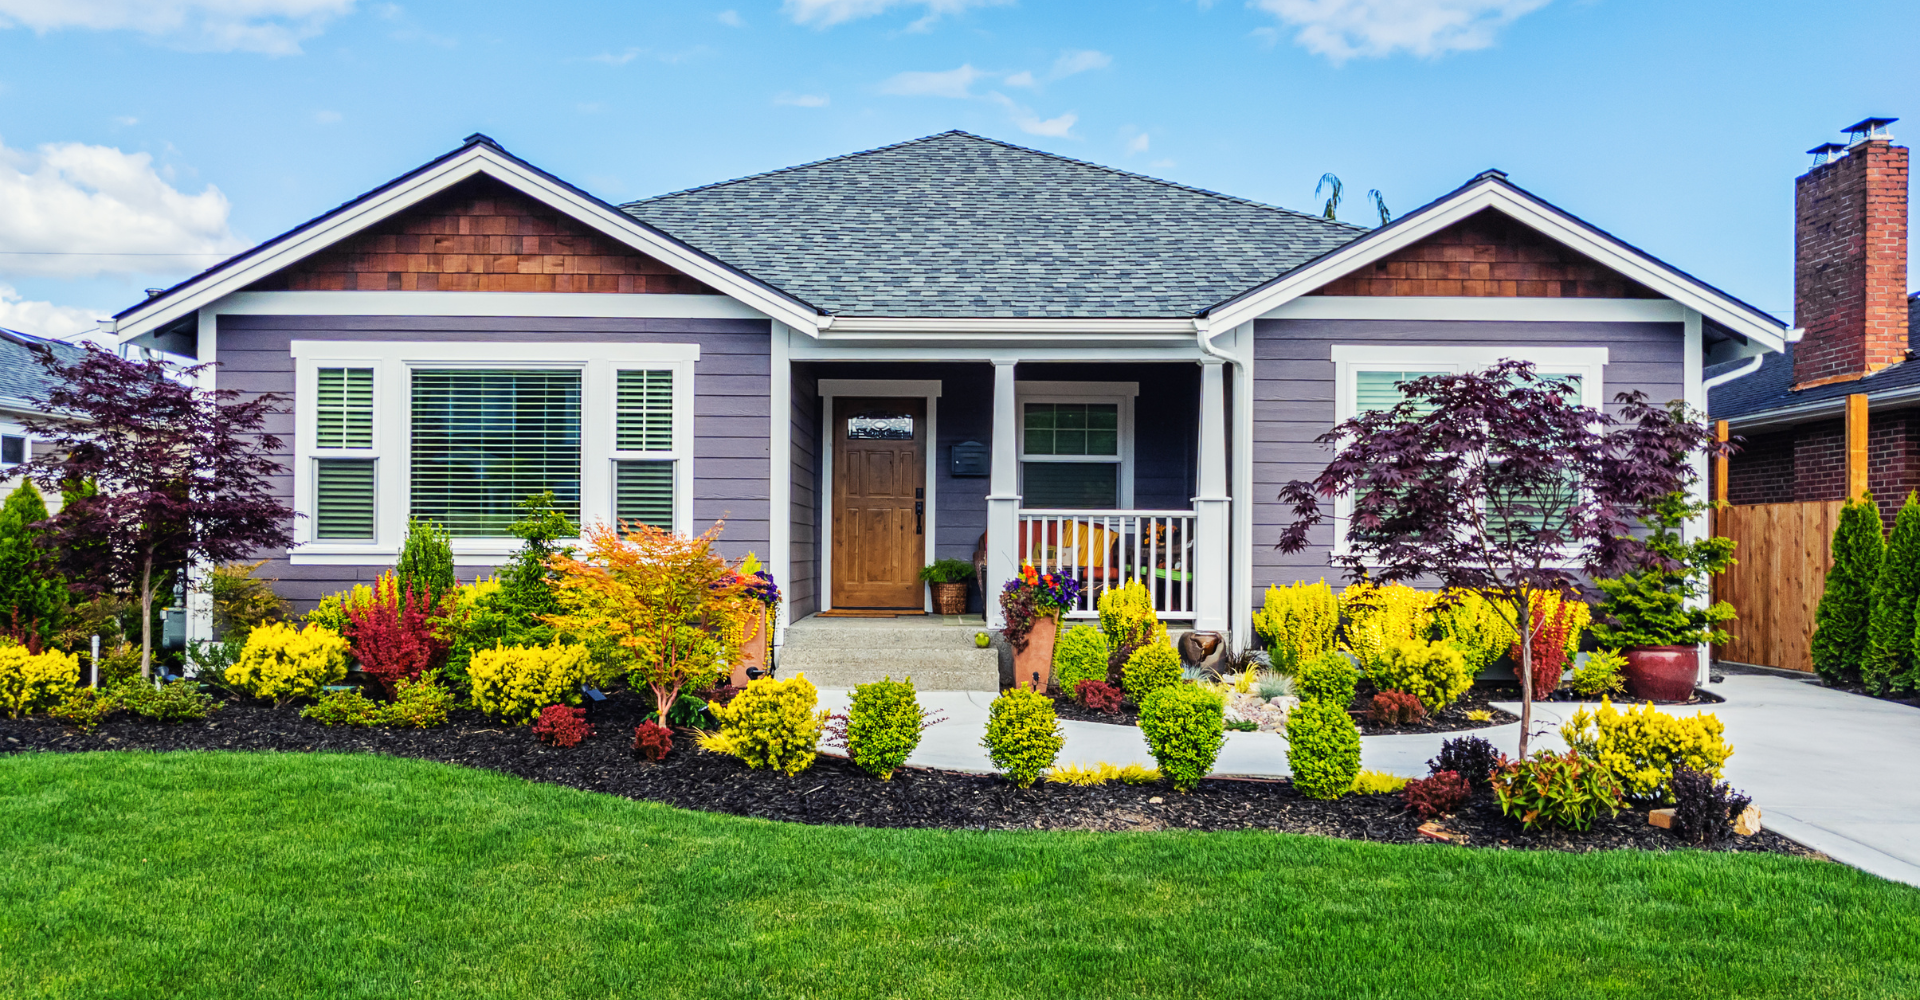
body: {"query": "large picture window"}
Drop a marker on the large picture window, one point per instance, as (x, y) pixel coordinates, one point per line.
(1076, 445)
(483, 440)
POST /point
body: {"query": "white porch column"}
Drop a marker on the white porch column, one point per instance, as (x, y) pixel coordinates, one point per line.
(1210, 568)
(1003, 494)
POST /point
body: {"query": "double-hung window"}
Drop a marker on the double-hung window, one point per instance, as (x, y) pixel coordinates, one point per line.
(1076, 444)
(13, 449)
(461, 433)
(1368, 376)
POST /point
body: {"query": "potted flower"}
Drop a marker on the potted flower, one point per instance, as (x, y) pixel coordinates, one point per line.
(759, 590)
(1033, 602)
(1658, 614)
(948, 578)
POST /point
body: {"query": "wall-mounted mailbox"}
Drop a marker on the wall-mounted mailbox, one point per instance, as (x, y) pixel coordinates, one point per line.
(971, 459)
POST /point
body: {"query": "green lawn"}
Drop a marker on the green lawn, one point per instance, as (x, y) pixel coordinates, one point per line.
(256, 875)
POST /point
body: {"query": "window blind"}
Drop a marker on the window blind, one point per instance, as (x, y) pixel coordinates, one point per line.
(1381, 390)
(344, 408)
(643, 493)
(1082, 485)
(344, 499)
(483, 439)
(643, 411)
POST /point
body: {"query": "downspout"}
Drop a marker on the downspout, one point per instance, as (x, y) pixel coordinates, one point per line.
(1723, 378)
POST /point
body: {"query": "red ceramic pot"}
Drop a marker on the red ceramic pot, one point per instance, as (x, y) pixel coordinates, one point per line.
(1033, 666)
(1662, 673)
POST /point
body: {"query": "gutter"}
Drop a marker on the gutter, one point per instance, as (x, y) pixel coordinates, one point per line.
(1834, 407)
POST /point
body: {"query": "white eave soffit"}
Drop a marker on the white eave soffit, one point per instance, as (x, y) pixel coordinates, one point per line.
(1491, 194)
(479, 159)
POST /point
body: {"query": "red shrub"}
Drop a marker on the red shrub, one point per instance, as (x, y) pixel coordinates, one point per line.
(1443, 792)
(1099, 695)
(652, 741)
(394, 636)
(1549, 649)
(562, 725)
(1396, 708)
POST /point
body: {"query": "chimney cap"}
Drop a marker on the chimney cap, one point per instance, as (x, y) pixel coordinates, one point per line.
(1825, 151)
(1868, 128)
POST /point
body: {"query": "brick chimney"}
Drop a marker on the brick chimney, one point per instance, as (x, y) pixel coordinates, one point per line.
(1850, 258)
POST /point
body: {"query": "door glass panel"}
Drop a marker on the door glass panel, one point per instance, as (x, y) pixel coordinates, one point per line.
(880, 427)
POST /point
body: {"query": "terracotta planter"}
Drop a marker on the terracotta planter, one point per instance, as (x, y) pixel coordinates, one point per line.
(950, 598)
(753, 651)
(1037, 658)
(1662, 673)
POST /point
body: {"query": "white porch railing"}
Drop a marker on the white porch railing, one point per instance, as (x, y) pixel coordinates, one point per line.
(1104, 549)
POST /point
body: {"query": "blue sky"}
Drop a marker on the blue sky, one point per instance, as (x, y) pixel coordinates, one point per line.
(144, 128)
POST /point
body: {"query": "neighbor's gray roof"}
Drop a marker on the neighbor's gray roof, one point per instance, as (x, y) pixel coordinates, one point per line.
(958, 225)
(1770, 387)
(23, 383)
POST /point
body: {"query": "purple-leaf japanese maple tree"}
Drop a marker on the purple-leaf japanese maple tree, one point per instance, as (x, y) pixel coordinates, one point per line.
(177, 473)
(1499, 482)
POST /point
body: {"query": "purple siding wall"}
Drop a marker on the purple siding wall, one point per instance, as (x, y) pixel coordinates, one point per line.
(731, 422)
(803, 589)
(1293, 403)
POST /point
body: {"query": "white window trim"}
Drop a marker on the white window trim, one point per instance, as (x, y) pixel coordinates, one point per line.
(1121, 394)
(393, 361)
(10, 429)
(1587, 362)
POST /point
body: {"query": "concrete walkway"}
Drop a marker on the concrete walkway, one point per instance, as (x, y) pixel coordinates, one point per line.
(1831, 770)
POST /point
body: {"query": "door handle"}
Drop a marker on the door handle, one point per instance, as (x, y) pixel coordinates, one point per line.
(919, 517)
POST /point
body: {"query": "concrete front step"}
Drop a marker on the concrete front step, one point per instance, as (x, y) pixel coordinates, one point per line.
(948, 669)
(883, 637)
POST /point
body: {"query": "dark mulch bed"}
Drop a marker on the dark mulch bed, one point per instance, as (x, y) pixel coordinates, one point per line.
(834, 791)
(1452, 719)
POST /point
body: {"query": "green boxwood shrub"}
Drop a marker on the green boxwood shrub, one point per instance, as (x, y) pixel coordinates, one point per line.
(1434, 672)
(883, 725)
(1323, 749)
(1080, 654)
(1023, 737)
(1330, 678)
(1183, 725)
(1150, 668)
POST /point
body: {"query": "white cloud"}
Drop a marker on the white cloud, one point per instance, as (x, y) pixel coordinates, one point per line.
(1346, 29)
(1138, 144)
(827, 13)
(946, 83)
(273, 27)
(126, 120)
(1079, 61)
(1163, 164)
(45, 319)
(731, 18)
(326, 117)
(1060, 127)
(1023, 78)
(102, 211)
(801, 100)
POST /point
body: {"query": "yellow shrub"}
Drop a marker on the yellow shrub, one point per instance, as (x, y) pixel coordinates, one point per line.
(280, 663)
(1481, 629)
(1127, 618)
(30, 682)
(1434, 672)
(331, 612)
(1103, 772)
(1298, 623)
(1380, 617)
(1377, 783)
(513, 683)
(1641, 745)
(771, 724)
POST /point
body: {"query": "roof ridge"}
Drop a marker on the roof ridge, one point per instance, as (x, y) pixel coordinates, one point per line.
(962, 133)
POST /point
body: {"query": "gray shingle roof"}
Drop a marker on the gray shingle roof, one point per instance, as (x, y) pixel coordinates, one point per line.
(22, 381)
(957, 225)
(1771, 386)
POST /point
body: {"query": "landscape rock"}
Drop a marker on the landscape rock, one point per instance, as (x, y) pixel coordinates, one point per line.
(1270, 716)
(1748, 822)
(1662, 818)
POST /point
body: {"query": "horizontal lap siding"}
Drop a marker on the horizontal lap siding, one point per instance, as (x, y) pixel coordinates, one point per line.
(731, 423)
(802, 587)
(1293, 403)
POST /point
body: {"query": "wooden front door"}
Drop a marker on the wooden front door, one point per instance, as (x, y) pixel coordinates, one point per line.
(879, 502)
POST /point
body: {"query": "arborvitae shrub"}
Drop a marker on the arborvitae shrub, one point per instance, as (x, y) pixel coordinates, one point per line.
(1023, 735)
(1437, 794)
(1323, 749)
(1468, 756)
(1396, 708)
(1434, 672)
(1099, 696)
(1840, 643)
(1330, 678)
(425, 568)
(1889, 664)
(1601, 674)
(33, 594)
(1080, 654)
(1183, 725)
(562, 726)
(1150, 668)
(883, 725)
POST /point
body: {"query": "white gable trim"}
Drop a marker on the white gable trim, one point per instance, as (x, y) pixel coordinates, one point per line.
(475, 160)
(1491, 193)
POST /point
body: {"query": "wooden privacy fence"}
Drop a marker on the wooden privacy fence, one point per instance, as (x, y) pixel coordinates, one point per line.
(1783, 556)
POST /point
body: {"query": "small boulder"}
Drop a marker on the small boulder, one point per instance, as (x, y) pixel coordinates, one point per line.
(1748, 822)
(1662, 818)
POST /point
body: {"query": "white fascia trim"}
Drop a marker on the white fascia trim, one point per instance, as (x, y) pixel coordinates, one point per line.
(474, 161)
(392, 442)
(1179, 349)
(1075, 389)
(1446, 308)
(590, 305)
(1005, 326)
(1490, 194)
(928, 387)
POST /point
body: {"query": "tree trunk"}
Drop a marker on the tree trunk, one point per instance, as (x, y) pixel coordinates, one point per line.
(1526, 675)
(146, 618)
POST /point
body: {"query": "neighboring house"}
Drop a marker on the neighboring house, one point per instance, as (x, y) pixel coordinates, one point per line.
(23, 387)
(1853, 314)
(913, 352)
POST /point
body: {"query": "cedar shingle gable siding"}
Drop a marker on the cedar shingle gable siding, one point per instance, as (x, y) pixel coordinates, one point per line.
(482, 236)
(1488, 254)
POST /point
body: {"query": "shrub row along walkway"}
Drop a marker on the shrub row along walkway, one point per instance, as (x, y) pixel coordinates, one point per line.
(1825, 767)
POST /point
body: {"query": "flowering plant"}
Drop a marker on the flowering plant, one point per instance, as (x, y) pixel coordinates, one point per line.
(1034, 595)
